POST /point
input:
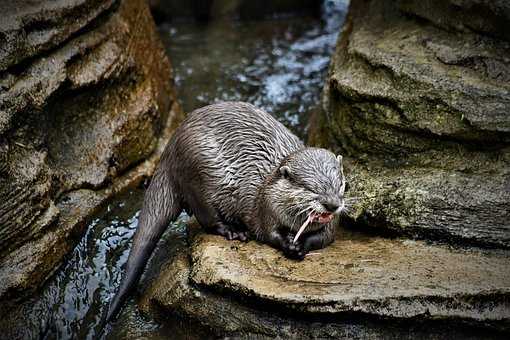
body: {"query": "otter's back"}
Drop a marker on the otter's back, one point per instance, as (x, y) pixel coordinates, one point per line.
(229, 148)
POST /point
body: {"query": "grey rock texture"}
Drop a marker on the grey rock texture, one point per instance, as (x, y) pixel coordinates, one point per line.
(360, 286)
(86, 105)
(487, 17)
(419, 100)
(29, 28)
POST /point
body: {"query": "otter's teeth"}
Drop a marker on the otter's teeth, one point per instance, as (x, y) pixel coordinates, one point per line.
(300, 231)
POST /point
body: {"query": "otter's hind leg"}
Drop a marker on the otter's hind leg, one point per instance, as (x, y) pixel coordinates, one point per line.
(210, 220)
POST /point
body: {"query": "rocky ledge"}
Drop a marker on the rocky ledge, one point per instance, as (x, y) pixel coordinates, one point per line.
(359, 286)
(86, 106)
(418, 98)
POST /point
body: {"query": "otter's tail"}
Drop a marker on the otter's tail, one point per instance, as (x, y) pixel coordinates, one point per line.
(160, 206)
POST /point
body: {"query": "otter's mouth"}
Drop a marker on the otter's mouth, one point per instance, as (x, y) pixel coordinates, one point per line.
(321, 218)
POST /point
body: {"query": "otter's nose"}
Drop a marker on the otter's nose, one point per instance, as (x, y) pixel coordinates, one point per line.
(331, 205)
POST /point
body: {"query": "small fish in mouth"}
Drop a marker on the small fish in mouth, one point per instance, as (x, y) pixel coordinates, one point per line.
(322, 218)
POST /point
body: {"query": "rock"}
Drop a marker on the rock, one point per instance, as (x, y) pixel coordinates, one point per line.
(420, 106)
(28, 29)
(86, 107)
(444, 205)
(359, 286)
(488, 17)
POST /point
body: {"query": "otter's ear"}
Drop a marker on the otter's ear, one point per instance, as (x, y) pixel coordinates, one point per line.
(285, 171)
(339, 158)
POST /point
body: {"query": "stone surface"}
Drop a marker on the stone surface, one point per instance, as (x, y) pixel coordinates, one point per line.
(446, 205)
(421, 108)
(29, 28)
(359, 286)
(486, 16)
(86, 106)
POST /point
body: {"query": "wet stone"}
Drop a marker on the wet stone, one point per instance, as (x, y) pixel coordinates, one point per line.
(250, 287)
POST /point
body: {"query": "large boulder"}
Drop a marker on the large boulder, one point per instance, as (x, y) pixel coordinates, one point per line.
(86, 106)
(418, 98)
(360, 286)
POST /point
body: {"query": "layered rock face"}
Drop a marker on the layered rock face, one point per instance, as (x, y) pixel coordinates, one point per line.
(86, 105)
(418, 97)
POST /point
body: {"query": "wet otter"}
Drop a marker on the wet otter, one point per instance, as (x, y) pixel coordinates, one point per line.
(240, 173)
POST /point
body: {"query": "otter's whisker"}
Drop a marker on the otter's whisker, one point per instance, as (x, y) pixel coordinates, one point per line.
(300, 213)
(300, 231)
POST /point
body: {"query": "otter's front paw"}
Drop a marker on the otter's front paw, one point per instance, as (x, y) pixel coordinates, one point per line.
(291, 250)
(230, 232)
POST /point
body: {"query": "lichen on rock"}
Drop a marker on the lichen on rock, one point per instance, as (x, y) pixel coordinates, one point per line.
(420, 105)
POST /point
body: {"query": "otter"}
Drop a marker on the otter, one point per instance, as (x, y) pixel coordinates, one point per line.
(243, 175)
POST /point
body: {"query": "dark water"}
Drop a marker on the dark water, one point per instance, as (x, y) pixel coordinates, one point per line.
(72, 302)
(277, 64)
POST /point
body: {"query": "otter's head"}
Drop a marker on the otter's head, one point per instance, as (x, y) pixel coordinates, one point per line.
(308, 187)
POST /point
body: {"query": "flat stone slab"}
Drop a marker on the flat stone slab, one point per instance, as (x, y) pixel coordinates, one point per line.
(384, 277)
(359, 287)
